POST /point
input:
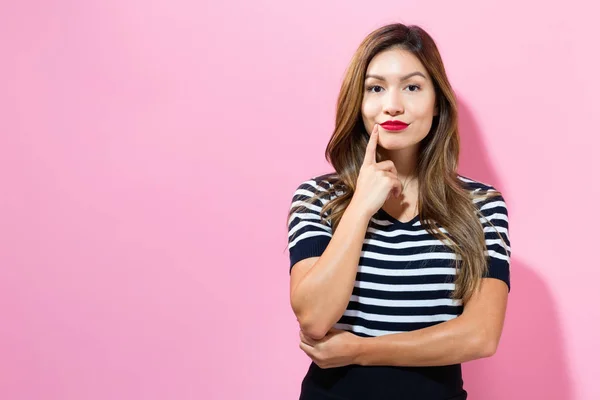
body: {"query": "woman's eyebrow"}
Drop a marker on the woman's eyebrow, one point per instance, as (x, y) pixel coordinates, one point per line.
(402, 78)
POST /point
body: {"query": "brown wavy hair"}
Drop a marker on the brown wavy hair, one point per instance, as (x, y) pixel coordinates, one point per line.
(443, 199)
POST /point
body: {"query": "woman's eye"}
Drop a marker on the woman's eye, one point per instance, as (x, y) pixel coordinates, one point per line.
(378, 89)
(370, 88)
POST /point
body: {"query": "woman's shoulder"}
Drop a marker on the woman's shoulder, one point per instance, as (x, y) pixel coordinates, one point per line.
(318, 183)
(485, 196)
(475, 185)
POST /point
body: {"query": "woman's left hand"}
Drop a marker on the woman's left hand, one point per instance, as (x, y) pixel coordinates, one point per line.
(336, 349)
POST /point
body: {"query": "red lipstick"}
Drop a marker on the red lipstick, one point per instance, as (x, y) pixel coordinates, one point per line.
(393, 125)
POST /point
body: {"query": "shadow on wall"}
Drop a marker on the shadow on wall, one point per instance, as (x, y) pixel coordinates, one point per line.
(530, 362)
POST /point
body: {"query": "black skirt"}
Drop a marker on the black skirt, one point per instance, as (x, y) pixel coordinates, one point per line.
(356, 382)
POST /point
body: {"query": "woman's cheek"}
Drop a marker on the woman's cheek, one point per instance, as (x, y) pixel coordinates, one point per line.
(426, 106)
(420, 108)
(370, 109)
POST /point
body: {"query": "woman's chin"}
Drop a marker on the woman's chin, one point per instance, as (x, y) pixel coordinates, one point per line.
(399, 144)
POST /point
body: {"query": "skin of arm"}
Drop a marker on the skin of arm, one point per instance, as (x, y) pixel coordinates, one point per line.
(320, 288)
(472, 335)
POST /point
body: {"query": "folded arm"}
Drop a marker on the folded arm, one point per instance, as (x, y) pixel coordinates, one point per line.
(472, 335)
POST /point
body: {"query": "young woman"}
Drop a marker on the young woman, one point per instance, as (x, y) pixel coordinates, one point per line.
(399, 265)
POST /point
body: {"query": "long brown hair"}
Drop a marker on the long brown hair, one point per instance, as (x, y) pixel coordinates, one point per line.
(443, 198)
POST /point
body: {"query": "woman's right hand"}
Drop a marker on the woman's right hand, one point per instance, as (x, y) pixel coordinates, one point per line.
(376, 181)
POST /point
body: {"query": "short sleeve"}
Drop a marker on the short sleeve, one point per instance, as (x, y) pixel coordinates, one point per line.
(497, 238)
(308, 235)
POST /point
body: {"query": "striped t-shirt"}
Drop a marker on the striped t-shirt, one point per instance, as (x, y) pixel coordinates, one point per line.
(405, 275)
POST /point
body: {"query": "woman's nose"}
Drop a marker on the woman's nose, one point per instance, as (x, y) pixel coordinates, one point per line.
(393, 112)
(393, 105)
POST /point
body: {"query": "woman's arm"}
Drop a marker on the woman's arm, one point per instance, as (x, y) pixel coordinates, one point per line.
(474, 334)
(320, 291)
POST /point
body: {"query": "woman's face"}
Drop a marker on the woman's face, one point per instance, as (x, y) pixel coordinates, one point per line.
(397, 87)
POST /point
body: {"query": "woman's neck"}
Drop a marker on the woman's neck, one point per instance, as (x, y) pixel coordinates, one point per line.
(405, 161)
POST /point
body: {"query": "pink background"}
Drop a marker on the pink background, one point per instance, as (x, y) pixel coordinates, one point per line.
(149, 151)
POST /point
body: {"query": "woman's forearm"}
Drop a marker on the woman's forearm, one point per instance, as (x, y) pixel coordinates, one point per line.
(450, 342)
(321, 298)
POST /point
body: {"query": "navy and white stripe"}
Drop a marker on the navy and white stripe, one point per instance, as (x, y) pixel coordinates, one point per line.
(405, 276)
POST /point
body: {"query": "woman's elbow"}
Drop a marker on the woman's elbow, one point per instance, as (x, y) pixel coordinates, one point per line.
(487, 346)
(311, 326)
(312, 329)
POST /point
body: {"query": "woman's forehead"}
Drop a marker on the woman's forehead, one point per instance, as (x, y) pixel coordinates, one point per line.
(395, 63)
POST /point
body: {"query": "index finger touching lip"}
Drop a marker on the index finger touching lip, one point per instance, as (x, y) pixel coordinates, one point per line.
(370, 151)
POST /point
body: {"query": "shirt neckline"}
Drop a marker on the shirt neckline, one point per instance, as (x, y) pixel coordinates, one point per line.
(396, 221)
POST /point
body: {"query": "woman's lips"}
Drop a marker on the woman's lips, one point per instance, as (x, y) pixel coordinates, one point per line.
(394, 126)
